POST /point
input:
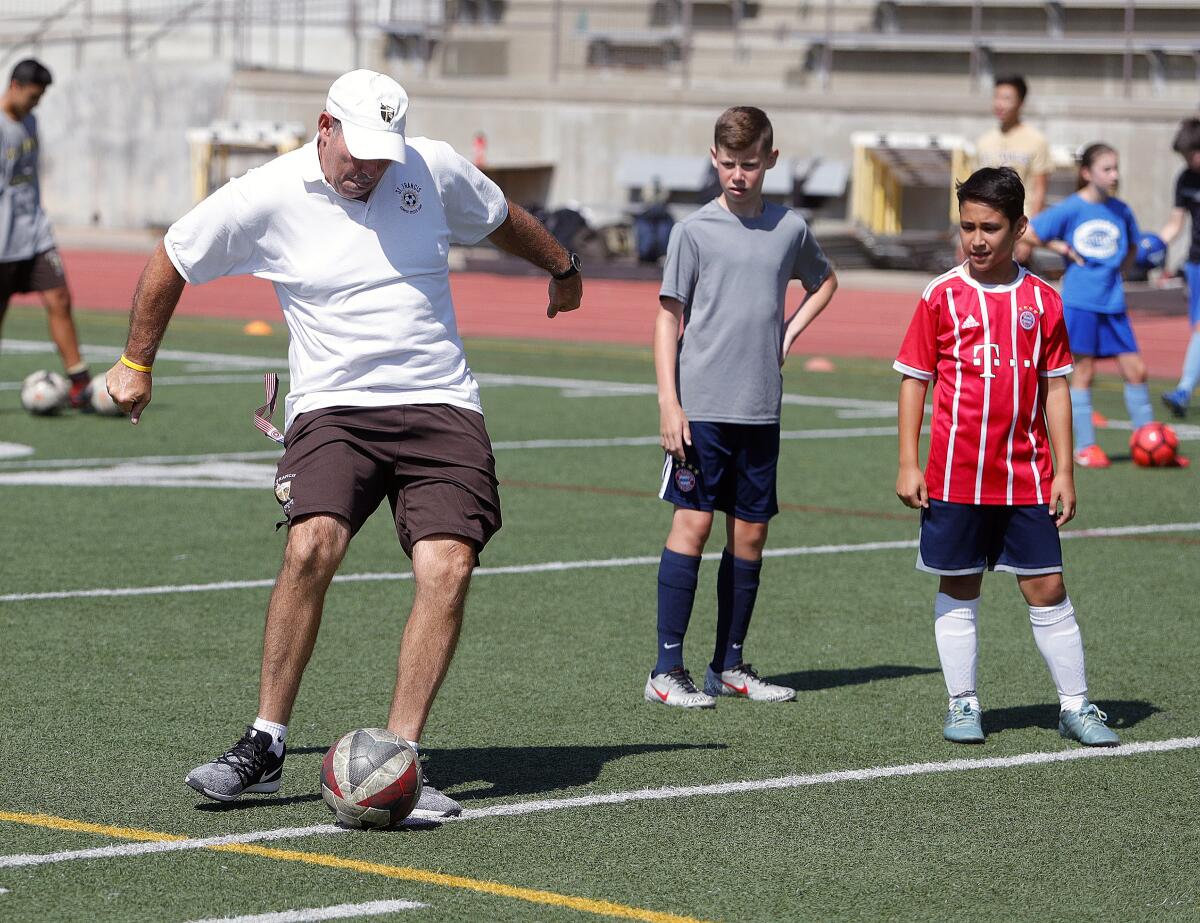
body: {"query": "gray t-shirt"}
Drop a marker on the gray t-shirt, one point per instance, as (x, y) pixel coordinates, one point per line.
(24, 227)
(731, 276)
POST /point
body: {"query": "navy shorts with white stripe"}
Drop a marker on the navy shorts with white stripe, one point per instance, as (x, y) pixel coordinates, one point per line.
(968, 538)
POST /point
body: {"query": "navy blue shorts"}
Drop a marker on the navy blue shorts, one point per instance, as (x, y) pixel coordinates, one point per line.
(968, 538)
(1101, 335)
(729, 467)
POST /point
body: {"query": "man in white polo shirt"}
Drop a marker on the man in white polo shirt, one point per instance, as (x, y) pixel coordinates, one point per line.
(353, 230)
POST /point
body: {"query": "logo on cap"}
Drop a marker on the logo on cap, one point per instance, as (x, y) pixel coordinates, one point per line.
(387, 113)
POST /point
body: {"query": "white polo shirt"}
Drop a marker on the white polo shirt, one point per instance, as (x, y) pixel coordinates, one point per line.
(364, 286)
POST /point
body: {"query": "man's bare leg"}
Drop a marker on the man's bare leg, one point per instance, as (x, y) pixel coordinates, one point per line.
(62, 325)
(442, 566)
(315, 548)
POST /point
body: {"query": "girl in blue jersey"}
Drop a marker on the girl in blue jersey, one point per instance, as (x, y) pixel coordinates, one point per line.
(1096, 232)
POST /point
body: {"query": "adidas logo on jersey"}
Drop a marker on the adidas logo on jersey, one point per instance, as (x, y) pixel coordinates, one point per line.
(970, 322)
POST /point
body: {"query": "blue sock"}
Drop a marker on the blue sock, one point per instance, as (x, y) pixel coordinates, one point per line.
(1081, 417)
(1190, 377)
(737, 588)
(677, 576)
(1137, 402)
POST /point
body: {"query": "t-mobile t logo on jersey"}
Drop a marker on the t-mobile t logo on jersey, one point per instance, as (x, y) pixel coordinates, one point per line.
(987, 361)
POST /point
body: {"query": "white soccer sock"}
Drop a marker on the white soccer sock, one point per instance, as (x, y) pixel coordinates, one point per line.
(957, 644)
(416, 746)
(1057, 635)
(278, 733)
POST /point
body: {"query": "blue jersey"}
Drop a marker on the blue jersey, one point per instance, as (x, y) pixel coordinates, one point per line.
(1102, 234)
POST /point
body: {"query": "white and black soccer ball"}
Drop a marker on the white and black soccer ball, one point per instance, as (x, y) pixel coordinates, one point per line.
(100, 400)
(371, 779)
(44, 392)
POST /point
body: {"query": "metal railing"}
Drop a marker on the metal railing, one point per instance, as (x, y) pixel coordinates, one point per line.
(582, 40)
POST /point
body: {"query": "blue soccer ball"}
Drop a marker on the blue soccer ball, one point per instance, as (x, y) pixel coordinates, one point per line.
(1151, 251)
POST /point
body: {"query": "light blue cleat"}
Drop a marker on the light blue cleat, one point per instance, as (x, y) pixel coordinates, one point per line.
(963, 724)
(1087, 726)
(1177, 402)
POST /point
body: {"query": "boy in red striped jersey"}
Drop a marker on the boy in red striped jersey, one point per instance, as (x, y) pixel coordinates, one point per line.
(991, 337)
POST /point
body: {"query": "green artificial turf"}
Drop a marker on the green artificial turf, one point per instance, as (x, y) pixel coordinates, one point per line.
(105, 703)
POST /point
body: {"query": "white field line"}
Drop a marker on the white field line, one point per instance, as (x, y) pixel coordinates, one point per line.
(49, 463)
(158, 846)
(824, 778)
(197, 359)
(558, 566)
(127, 850)
(228, 471)
(336, 912)
(159, 380)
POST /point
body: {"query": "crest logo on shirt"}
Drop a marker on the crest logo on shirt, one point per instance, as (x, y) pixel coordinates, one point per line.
(1027, 319)
(410, 197)
(387, 113)
(1097, 239)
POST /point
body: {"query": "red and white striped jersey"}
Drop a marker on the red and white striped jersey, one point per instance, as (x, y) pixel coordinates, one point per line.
(987, 348)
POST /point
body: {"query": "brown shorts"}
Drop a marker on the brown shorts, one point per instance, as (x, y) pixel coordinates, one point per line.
(433, 462)
(37, 274)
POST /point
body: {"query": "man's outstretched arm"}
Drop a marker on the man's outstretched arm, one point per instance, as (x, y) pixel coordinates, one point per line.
(523, 235)
(154, 302)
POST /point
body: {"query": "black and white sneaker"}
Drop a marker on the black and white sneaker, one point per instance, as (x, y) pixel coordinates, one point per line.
(433, 804)
(247, 766)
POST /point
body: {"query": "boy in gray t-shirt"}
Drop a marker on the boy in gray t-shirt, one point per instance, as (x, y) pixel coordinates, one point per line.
(719, 394)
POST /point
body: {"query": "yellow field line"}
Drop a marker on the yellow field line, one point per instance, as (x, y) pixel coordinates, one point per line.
(533, 896)
(403, 873)
(78, 826)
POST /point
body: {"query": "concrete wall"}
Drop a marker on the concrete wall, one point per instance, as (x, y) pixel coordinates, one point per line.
(585, 131)
(115, 155)
(113, 147)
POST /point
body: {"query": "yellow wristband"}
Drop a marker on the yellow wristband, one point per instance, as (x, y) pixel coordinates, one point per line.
(133, 365)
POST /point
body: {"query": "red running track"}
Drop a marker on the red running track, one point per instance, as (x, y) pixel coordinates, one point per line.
(858, 323)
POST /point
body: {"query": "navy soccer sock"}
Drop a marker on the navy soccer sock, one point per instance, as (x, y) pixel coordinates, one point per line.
(677, 576)
(737, 588)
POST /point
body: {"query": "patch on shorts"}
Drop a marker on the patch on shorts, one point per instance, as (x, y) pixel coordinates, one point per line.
(1028, 320)
(283, 491)
(685, 478)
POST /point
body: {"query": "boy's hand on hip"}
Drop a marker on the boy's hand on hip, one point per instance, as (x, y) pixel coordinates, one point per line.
(1062, 499)
(674, 430)
(911, 489)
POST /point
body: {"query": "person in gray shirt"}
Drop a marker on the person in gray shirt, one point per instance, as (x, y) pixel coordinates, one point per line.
(29, 260)
(720, 388)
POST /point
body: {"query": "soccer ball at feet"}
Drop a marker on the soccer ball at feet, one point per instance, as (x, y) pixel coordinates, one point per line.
(44, 392)
(370, 779)
(100, 400)
(1154, 445)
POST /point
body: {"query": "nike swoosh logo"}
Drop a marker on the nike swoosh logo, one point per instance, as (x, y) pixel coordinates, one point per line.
(743, 689)
(662, 695)
(672, 646)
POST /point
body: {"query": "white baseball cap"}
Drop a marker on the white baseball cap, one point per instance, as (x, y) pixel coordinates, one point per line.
(371, 107)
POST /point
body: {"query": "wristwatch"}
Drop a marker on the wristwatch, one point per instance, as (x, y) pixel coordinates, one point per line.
(571, 270)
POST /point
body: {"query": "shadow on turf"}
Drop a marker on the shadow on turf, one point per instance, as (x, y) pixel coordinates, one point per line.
(811, 680)
(218, 807)
(500, 771)
(1121, 715)
(495, 771)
